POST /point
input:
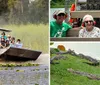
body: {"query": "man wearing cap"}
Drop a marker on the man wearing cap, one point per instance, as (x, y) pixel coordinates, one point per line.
(58, 28)
(89, 30)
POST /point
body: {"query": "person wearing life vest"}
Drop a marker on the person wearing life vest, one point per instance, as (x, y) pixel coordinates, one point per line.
(75, 22)
(72, 9)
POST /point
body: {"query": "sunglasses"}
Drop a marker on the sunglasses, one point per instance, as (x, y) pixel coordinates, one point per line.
(61, 14)
(89, 21)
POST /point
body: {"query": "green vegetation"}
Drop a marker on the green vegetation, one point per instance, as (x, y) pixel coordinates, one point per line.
(57, 3)
(51, 43)
(11, 66)
(17, 65)
(33, 36)
(60, 75)
(54, 50)
(18, 12)
(36, 84)
(23, 11)
(60, 3)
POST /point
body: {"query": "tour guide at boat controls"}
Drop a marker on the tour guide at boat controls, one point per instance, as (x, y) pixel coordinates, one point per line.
(58, 28)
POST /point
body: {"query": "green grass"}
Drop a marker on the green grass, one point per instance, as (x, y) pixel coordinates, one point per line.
(60, 75)
(35, 37)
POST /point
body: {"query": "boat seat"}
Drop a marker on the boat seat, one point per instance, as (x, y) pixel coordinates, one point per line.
(74, 32)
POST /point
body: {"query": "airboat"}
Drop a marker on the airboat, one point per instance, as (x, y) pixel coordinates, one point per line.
(18, 53)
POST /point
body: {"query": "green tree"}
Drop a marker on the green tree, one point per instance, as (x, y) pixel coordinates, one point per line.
(21, 11)
(60, 3)
(39, 11)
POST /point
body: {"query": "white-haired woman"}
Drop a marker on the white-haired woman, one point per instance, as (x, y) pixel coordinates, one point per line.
(89, 30)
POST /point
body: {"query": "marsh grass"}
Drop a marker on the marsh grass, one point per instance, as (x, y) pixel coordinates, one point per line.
(35, 37)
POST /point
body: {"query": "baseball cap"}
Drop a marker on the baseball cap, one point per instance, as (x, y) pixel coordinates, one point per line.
(60, 12)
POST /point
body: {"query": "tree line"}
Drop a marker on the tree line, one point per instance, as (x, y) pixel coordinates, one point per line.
(23, 11)
(60, 3)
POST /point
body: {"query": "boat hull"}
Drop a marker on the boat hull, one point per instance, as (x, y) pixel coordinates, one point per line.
(22, 53)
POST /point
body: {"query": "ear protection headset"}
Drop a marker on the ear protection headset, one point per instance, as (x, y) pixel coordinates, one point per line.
(55, 15)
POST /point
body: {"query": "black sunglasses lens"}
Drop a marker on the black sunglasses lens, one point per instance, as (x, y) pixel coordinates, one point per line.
(88, 21)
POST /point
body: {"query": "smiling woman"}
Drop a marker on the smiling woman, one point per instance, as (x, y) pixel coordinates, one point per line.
(89, 30)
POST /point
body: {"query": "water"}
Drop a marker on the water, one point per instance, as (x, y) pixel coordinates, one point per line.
(38, 75)
(87, 48)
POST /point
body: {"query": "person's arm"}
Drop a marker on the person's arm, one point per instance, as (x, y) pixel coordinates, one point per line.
(2, 46)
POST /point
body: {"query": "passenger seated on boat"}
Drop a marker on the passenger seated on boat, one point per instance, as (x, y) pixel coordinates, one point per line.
(13, 38)
(3, 35)
(2, 43)
(13, 44)
(9, 38)
(19, 44)
(58, 27)
(89, 30)
(7, 43)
